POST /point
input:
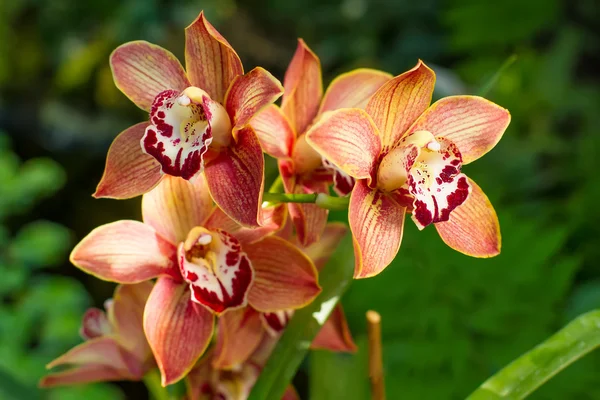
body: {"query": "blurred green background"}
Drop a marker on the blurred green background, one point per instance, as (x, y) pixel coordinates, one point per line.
(449, 321)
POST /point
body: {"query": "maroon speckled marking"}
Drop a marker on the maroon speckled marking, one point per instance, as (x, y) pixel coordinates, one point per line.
(275, 323)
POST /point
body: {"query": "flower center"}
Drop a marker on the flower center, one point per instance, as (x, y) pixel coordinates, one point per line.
(218, 272)
(182, 127)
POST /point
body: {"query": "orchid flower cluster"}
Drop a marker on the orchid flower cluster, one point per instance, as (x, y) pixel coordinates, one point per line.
(210, 278)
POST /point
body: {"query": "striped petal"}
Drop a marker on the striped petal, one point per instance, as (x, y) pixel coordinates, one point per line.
(235, 178)
(210, 61)
(239, 333)
(178, 330)
(82, 374)
(274, 132)
(320, 251)
(473, 227)
(285, 278)
(399, 102)
(176, 205)
(129, 172)
(335, 334)
(473, 123)
(100, 351)
(353, 89)
(348, 139)
(303, 88)
(142, 70)
(249, 94)
(125, 252)
(376, 222)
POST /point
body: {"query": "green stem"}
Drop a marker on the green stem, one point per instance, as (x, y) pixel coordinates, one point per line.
(152, 382)
(320, 199)
(277, 186)
(492, 81)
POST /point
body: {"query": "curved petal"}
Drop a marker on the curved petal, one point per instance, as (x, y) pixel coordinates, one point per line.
(348, 139)
(473, 123)
(284, 277)
(273, 220)
(125, 252)
(82, 374)
(239, 334)
(399, 102)
(235, 178)
(176, 205)
(129, 172)
(210, 61)
(127, 314)
(94, 324)
(178, 330)
(473, 227)
(320, 251)
(353, 89)
(335, 334)
(100, 351)
(303, 88)
(274, 132)
(376, 222)
(199, 380)
(249, 94)
(142, 70)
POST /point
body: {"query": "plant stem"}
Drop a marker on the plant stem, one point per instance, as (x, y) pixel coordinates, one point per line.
(485, 89)
(375, 357)
(152, 382)
(277, 186)
(320, 199)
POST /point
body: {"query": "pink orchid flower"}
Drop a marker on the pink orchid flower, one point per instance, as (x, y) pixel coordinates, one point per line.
(406, 157)
(198, 121)
(206, 265)
(281, 132)
(115, 346)
(241, 331)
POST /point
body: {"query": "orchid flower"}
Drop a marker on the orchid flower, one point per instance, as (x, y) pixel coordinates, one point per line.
(207, 265)
(241, 331)
(406, 157)
(115, 346)
(198, 121)
(281, 132)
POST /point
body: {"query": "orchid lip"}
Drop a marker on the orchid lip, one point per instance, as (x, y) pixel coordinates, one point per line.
(182, 127)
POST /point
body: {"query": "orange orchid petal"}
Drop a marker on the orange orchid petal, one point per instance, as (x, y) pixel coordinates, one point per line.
(177, 329)
(82, 374)
(198, 380)
(127, 314)
(99, 351)
(284, 277)
(210, 61)
(320, 251)
(376, 222)
(125, 252)
(473, 123)
(129, 172)
(349, 139)
(273, 220)
(235, 178)
(274, 132)
(142, 70)
(353, 89)
(335, 334)
(240, 332)
(176, 205)
(473, 228)
(303, 88)
(249, 94)
(399, 102)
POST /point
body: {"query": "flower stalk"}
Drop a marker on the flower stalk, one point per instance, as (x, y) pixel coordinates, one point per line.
(322, 200)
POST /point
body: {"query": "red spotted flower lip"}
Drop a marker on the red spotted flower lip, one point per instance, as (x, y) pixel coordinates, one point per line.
(218, 272)
(182, 127)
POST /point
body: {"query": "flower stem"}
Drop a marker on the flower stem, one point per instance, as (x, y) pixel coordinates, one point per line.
(320, 199)
(152, 382)
(375, 357)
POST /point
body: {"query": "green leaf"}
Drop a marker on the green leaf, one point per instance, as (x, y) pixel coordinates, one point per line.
(13, 389)
(294, 343)
(534, 368)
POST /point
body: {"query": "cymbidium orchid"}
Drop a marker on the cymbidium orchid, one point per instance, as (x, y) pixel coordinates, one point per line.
(115, 346)
(198, 121)
(406, 157)
(241, 331)
(205, 263)
(281, 132)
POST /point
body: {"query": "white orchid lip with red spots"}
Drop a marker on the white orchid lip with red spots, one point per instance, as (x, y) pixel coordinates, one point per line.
(275, 322)
(182, 127)
(218, 272)
(424, 173)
